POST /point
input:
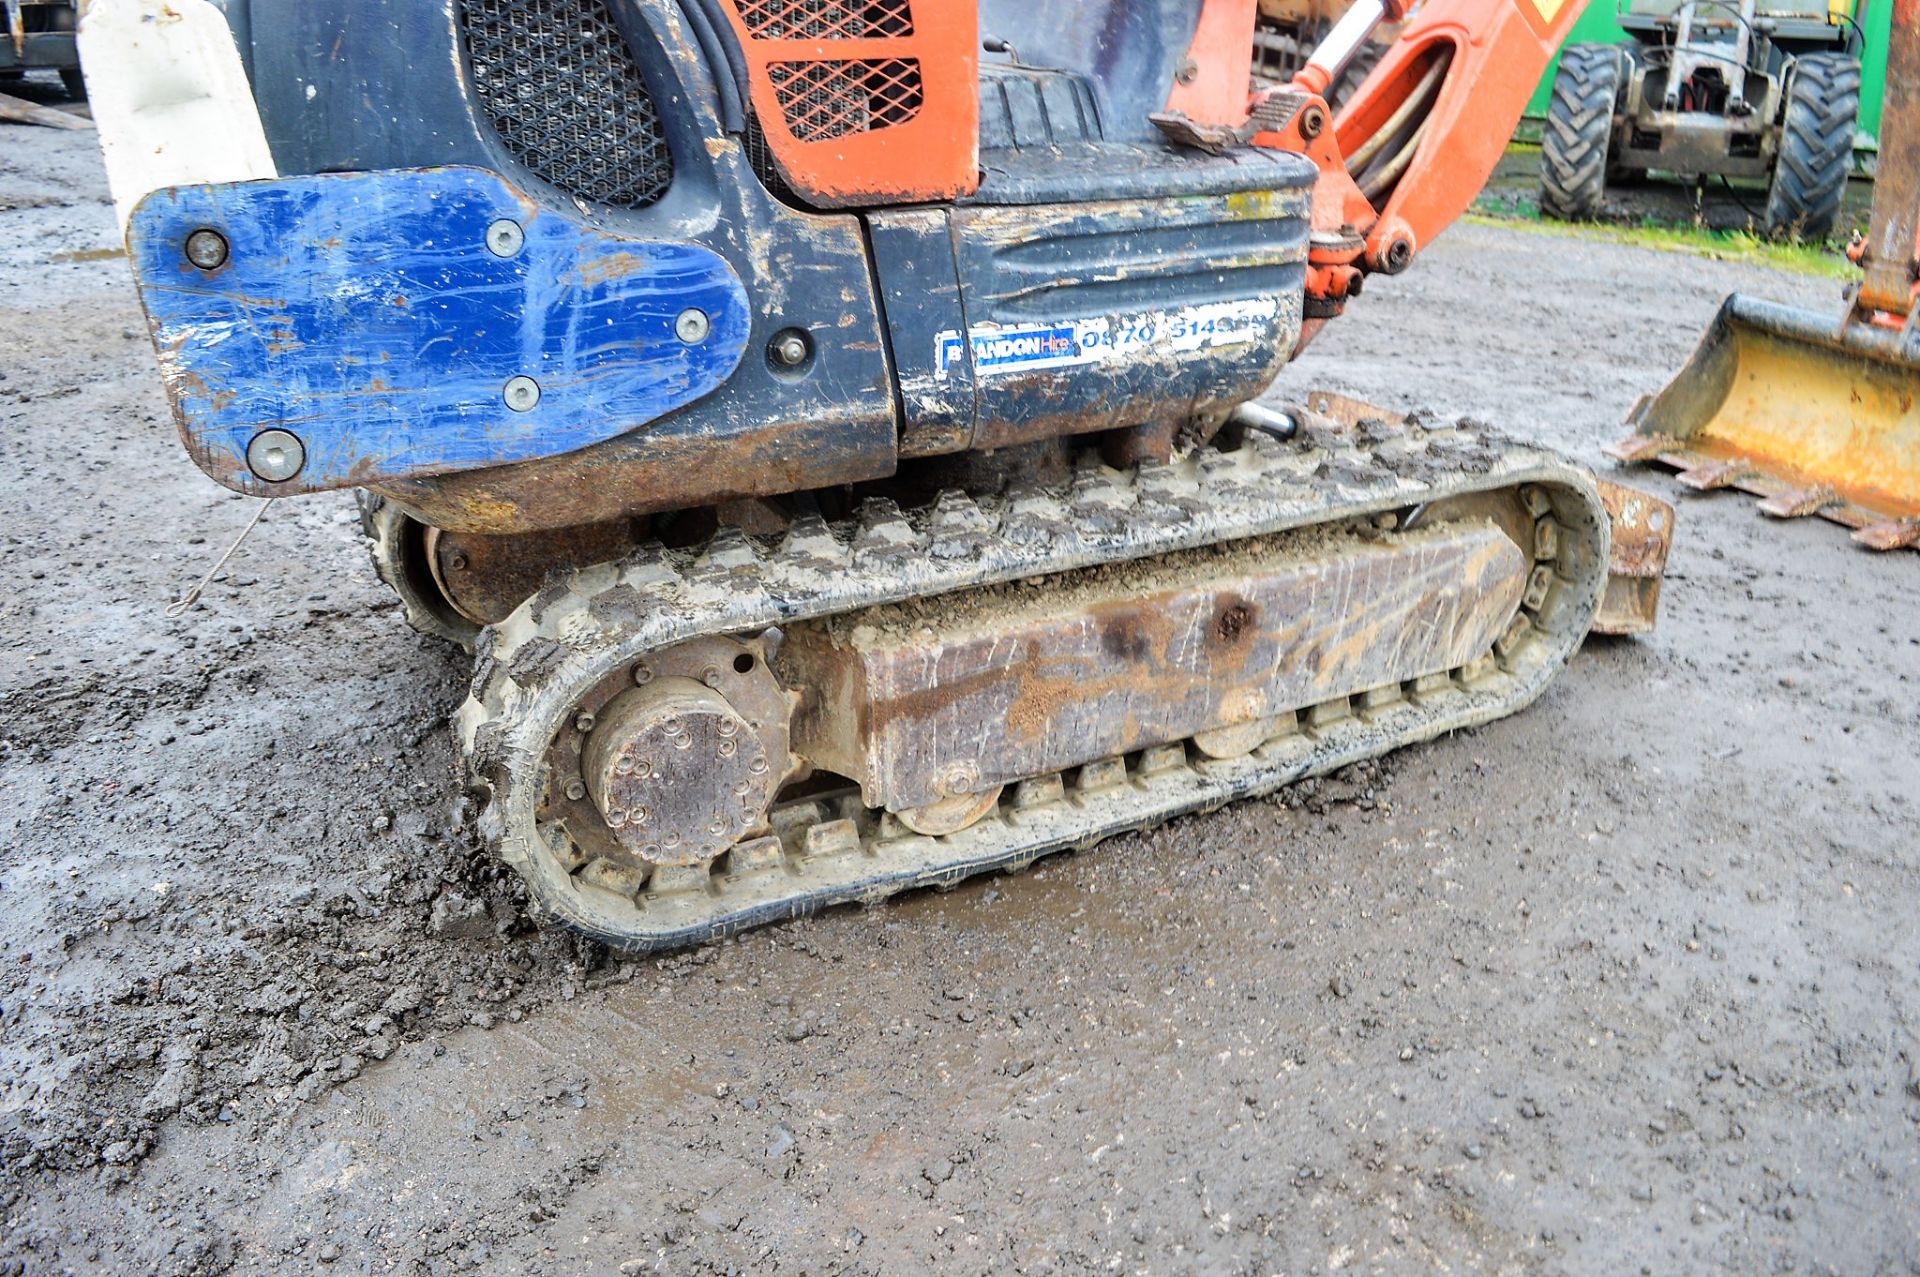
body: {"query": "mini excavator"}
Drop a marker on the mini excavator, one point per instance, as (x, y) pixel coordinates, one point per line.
(835, 426)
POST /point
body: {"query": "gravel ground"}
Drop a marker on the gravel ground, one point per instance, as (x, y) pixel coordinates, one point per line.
(1624, 984)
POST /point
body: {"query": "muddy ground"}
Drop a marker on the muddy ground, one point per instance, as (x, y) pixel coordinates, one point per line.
(1625, 984)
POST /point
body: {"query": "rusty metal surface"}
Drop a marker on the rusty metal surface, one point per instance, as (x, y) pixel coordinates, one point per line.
(1135, 444)
(587, 630)
(1642, 536)
(648, 472)
(1345, 410)
(659, 752)
(1817, 415)
(678, 775)
(942, 698)
(485, 577)
(1895, 217)
(398, 546)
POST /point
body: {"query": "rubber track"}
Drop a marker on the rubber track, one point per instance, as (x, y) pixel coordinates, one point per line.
(394, 543)
(591, 624)
(1579, 132)
(1816, 147)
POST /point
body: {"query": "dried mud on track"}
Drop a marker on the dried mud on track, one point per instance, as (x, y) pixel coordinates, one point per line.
(1624, 984)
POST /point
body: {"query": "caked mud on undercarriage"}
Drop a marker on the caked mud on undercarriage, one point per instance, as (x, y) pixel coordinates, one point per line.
(687, 742)
(835, 423)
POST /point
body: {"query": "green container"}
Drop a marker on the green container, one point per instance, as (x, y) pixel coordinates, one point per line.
(1597, 25)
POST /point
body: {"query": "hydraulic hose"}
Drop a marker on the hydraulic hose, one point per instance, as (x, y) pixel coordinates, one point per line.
(1417, 102)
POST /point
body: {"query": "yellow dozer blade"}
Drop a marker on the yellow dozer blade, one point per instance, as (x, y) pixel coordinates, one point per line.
(1817, 413)
(1811, 413)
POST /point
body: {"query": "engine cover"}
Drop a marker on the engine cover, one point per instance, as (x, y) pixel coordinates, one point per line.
(1107, 287)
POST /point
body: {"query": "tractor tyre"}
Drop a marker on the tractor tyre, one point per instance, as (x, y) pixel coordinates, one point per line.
(1579, 132)
(1816, 147)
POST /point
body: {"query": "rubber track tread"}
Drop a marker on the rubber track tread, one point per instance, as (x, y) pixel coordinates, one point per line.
(1579, 132)
(1816, 147)
(599, 620)
(394, 544)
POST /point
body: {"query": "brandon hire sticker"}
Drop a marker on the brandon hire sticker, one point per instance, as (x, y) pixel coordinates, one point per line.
(1070, 342)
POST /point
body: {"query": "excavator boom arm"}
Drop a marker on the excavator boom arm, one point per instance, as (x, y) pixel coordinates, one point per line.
(1416, 143)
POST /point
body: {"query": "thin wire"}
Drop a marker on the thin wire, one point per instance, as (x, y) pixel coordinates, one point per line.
(179, 606)
(1859, 41)
(1736, 196)
(1731, 8)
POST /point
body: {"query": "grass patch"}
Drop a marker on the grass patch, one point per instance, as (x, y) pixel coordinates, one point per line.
(1817, 260)
(1511, 199)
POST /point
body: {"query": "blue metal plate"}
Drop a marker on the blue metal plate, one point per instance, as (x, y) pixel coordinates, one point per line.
(366, 314)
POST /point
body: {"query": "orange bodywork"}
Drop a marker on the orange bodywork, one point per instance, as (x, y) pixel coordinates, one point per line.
(1499, 50)
(1212, 84)
(876, 102)
(1494, 51)
(866, 101)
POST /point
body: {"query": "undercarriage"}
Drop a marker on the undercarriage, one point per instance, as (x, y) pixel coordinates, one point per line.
(687, 742)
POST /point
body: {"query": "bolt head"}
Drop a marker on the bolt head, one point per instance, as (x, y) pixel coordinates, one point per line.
(691, 326)
(583, 723)
(711, 676)
(642, 674)
(961, 778)
(790, 350)
(521, 393)
(276, 455)
(504, 237)
(576, 790)
(207, 249)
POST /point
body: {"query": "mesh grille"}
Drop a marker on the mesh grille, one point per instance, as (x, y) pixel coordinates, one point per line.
(832, 99)
(561, 89)
(824, 19)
